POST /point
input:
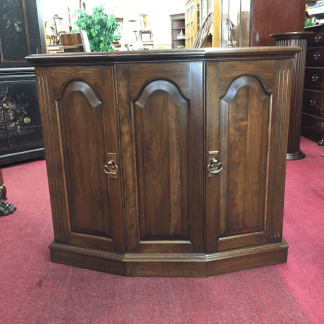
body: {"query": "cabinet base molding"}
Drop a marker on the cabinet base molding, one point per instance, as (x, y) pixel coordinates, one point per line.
(296, 155)
(170, 264)
(22, 156)
(313, 128)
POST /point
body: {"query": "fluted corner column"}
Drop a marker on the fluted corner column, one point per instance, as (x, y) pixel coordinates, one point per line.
(295, 39)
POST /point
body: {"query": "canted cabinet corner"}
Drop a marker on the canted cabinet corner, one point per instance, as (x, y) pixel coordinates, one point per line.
(167, 167)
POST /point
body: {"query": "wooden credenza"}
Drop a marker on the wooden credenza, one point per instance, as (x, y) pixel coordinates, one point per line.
(167, 163)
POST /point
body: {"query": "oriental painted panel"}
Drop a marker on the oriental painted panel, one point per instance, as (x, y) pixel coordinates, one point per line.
(14, 38)
(84, 116)
(3, 132)
(167, 136)
(21, 131)
(242, 194)
(20, 110)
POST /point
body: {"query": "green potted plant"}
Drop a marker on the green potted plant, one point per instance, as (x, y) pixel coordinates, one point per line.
(100, 28)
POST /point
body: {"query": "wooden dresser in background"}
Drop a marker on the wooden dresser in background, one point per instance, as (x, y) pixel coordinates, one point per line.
(313, 106)
(295, 39)
(167, 163)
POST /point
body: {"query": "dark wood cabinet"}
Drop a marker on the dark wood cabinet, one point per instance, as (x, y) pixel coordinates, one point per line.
(313, 109)
(21, 34)
(295, 39)
(167, 163)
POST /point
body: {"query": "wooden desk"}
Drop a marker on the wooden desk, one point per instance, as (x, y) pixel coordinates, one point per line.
(167, 163)
(6, 208)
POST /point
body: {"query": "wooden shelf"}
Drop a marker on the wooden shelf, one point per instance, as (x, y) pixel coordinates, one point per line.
(177, 24)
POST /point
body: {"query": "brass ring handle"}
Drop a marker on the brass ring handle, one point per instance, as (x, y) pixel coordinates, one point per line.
(314, 77)
(214, 166)
(317, 38)
(312, 102)
(317, 55)
(111, 168)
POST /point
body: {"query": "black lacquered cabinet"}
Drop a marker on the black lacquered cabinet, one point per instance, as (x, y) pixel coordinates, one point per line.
(21, 34)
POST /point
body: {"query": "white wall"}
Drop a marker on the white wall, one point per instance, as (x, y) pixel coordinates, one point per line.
(159, 12)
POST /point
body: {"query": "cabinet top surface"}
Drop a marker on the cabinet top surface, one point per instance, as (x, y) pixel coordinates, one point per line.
(218, 54)
(292, 35)
(314, 28)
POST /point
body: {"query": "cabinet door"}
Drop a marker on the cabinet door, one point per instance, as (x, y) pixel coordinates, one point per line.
(20, 109)
(247, 124)
(80, 124)
(162, 139)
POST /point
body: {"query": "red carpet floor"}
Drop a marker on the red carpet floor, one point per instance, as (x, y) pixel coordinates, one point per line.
(34, 290)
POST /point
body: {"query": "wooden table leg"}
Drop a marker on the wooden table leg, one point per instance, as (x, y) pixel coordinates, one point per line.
(6, 208)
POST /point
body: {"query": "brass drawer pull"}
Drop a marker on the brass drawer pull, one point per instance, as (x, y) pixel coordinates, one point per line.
(317, 38)
(111, 168)
(314, 77)
(312, 102)
(214, 167)
(317, 55)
